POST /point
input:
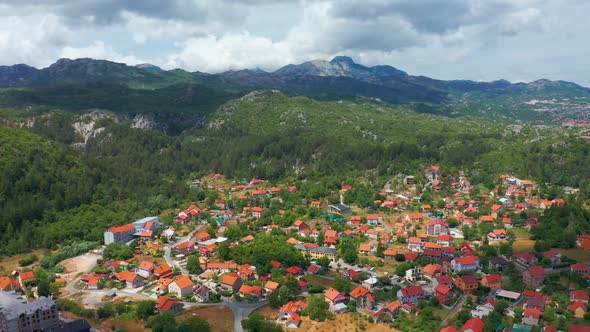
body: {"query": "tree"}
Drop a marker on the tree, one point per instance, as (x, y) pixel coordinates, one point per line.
(193, 265)
(118, 251)
(105, 311)
(43, 288)
(323, 262)
(342, 285)
(145, 309)
(317, 308)
(256, 323)
(518, 314)
(194, 324)
(164, 322)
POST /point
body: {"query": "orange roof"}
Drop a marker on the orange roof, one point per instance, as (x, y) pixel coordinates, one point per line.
(271, 285)
(248, 238)
(414, 239)
(122, 229)
(126, 276)
(393, 306)
(536, 313)
(229, 279)
(486, 218)
(163, 269)
(183, 281)
(365, 247)
(247, 289)
(331, 294)
(449, 329)
(359, 292)
(293, 241)
(415, 215)
(389, 252)
(8, 283)
(476, 324)
(430, 245)
(203, 236)
(146, 265)
(28, 275)
(372, 216)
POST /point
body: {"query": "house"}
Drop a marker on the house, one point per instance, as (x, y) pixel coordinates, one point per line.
(230, 282)
(579, 328)
(185, 247)
(493, 281)
(314, 269)
(26, 278)
(432, 270)
(531, 316)
(221, 267)
(393, 308)
(467, 283)
(437, 227)
(203, 236)
(526, 259)
(578, 308)
(247, 272)
(390, 254)
(300, 225)
(414, 273)
(414, 217)
(363, 297)
(289, 315)
(339, 209)
(554, 257)
(163, 270)
(8, 284)
(333, 296)
(181, 286)
(131, 279)
(444, 240)
(443, 293)
(167, 303)
(498, 263)
(411, 294)
(580, 268)
(497, 234)
(373, 219)
(415, 244)
(475, 324)
(350, 274)
(579, 295)
(537, 302)
(202, 293)
(294, 270)
(365, 248)
(443, 280)
(120, 234)
(483, 309)
(250, 291)
(465, 264)
(534, 276)
(271, 286)
(146, 269)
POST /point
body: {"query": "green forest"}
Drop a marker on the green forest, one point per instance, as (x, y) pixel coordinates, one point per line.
(52, 193)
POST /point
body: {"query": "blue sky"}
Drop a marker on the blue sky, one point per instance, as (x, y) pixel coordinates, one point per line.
(517, 40)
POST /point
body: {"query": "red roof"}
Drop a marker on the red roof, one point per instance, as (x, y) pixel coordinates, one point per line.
(536, 313)
(493, 278)
(442, 289)
(412, 291)
(26, 276)
(536, 271)
(579, 328)
(275, 264)
(8, 283)
(467, 260)
(359, 292)
(165, 303)
(475, 324)
(579, 295)
(122, 229)
(449, 329)
(294, 270)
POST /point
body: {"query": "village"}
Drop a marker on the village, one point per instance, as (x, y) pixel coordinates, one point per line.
(445, 253)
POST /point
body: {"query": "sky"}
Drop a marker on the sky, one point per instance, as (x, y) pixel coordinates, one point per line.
(517, 40)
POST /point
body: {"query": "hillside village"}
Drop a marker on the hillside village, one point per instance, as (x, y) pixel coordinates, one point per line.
(424, 252)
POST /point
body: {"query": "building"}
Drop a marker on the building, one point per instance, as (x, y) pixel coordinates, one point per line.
(534, 276)
(18, 315)
(317, 252)
(167, 303)
(340, 209)
(131, 279)
(120, 234)
(465, 264)
(437, 227)
(414, 273)
(493, 281)
(410, 295)
(230, 282)
(146, 269)
(578, 309)
(8, 284)
(289, 314)
(415, 244)
(181, 286)
(467, 283)
(498, 263)
(202, 293)
(363, 297)
(475, 324)
(531, 316)
(444, 294)
(483, 309)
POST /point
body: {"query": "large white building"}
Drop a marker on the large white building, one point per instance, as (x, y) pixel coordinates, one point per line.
(126, 233)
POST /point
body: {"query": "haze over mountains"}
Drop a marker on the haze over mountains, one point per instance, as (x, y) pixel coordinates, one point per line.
(80, 84)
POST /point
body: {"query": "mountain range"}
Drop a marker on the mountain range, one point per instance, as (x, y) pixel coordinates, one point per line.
(82, 84)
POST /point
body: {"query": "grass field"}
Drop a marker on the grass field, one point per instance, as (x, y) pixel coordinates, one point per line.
(521, 233)
(343, 322)
(314, 280)
(523, 246)
(9, 264)
(578, 254)
(220, 318)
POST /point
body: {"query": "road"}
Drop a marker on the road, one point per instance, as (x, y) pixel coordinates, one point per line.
(455, 309)
(70, 287)
(241, 310)
(168, 250)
